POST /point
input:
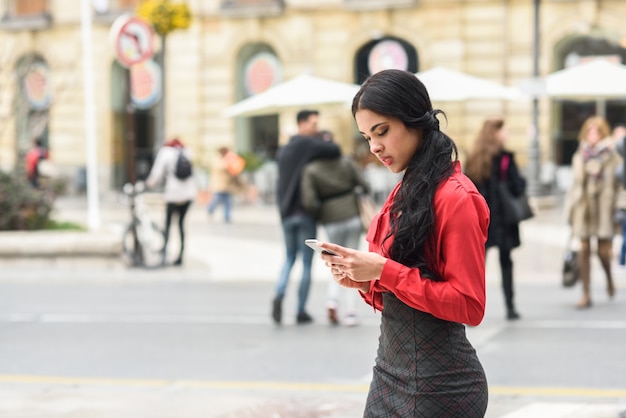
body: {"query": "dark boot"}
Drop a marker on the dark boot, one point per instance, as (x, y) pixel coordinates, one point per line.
(506, 265)
(585, 274)
(179, 259)
(277, 310)
(604, 253)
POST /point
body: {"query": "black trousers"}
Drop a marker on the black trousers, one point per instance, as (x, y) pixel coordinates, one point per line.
(506, 267)
(181, 210)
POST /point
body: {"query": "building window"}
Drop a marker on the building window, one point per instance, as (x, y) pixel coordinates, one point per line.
(25, 15)
(250, 8)
(108, 10)
(378, 4)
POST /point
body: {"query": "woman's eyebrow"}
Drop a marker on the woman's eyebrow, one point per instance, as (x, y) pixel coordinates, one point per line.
(373, 128)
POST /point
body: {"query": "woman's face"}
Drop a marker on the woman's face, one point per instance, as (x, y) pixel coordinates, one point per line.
(502, 134)
(593, 135)
(389, 139)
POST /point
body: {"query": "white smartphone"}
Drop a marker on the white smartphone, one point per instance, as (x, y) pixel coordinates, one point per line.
(313, 243)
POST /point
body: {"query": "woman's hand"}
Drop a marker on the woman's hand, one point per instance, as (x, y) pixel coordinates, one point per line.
(353, 268)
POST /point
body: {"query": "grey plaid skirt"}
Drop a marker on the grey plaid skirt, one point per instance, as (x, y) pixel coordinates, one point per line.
(425, 367)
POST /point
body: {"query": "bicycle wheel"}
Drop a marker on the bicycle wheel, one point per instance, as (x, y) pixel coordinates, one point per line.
(131, 247)
(152, 240)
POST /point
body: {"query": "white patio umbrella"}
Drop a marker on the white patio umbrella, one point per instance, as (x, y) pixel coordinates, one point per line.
(452, 86)
(300, 91)
(595, 80)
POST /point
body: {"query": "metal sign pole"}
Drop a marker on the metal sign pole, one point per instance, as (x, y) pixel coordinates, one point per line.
(93, 204)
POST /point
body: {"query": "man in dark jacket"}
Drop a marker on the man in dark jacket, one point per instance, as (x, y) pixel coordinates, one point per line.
(296, 222)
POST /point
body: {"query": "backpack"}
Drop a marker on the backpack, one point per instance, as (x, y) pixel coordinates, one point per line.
(183, 168)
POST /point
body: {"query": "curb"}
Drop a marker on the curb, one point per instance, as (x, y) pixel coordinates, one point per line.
(59, 244)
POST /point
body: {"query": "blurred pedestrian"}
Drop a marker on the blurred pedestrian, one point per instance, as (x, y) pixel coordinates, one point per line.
(425, 269)
(34, 157)
(591, 201)
(225, 180)
(329, 192)
(178, 193)
(297, 224)
(619, 139)
(488, 164)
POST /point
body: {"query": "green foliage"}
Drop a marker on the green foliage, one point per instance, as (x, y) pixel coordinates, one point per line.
(253, 161)
(23, 207)
(64, 226)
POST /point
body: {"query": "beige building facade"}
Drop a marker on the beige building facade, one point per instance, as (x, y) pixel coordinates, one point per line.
(235, 49)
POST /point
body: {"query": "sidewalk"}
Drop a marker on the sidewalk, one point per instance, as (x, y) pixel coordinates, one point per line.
(214, 249)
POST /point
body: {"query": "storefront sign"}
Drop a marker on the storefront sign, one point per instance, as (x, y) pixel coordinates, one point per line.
(36, 85)
(262, 72)
(145, 84)
(387, 55)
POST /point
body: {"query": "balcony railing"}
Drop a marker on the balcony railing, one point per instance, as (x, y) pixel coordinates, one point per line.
(251, 8)
(378, 4)
(25, 15)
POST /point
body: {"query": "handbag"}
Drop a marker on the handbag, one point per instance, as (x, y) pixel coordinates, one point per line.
(571, 267)
(367, 209)
(514, 209)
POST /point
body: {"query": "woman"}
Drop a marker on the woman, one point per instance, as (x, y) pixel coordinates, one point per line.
(590, 202)
(178, 193)
(487, 165)
(328, 189)
(425, 269)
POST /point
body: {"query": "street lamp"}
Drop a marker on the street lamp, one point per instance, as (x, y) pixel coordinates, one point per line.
(534, 152)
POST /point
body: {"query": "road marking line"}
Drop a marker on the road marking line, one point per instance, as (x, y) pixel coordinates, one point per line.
(87, 318)
(297, 386)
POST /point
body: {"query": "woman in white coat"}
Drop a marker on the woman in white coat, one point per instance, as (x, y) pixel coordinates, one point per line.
(178, 192)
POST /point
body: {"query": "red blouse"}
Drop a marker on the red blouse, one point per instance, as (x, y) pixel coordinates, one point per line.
(461, 222)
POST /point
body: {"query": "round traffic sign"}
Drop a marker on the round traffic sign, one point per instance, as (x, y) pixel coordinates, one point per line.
(133, 40)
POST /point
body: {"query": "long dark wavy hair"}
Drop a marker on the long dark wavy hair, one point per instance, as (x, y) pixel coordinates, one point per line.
(399, 94)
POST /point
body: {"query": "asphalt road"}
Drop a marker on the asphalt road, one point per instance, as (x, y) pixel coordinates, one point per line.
(81, 339)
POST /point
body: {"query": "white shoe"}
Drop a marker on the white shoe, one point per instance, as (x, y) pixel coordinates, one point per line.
(351, 320)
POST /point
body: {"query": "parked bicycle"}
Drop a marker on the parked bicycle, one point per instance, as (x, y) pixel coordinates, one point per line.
(143, 239)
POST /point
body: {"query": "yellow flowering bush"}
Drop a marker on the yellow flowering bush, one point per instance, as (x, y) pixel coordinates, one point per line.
(164, 15)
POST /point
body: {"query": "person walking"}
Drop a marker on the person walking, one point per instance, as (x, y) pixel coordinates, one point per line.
(225, 180)
(425, 268)
(488, 164)
(329, 190)
(297, 224)
(178, 192)
(591, 200)
(619, 137)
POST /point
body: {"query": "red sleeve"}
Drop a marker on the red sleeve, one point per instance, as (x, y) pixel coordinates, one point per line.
(462, 219)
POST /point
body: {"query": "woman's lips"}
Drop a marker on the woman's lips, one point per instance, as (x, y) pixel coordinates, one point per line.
(386, 161)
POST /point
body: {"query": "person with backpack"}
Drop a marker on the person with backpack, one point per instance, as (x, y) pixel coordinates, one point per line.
(173, 166)
(329, 190)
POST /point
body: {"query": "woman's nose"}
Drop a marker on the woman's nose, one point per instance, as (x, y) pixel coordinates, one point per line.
(375, 147)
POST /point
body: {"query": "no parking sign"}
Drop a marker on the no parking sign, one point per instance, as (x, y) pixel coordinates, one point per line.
(133, 40)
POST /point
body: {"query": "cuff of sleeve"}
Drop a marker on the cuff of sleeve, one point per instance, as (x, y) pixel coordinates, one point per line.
(389, 275)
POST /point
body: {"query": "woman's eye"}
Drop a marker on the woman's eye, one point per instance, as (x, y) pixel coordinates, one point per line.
(382, 132)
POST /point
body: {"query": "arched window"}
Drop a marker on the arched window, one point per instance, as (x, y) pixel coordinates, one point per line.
(385, 53)
(32, 103)
(258, 68)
